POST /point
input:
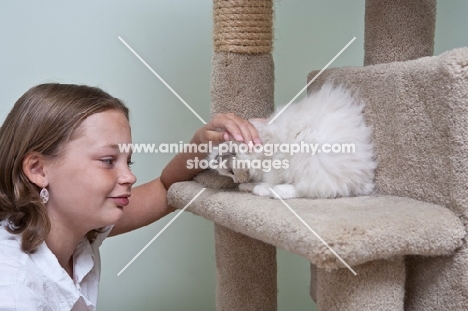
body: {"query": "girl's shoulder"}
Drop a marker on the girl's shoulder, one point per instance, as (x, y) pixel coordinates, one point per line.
(21, 287)
(10, 244)
(14, 263)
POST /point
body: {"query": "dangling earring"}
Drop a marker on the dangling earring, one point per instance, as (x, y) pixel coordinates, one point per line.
(44, 195)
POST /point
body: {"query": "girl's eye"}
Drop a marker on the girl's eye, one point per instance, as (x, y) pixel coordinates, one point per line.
(108, 161)
(130, 163)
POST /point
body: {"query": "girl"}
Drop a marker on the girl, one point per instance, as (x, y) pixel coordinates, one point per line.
(65, 187)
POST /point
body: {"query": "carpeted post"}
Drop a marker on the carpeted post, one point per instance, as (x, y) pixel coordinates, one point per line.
(242, 82)
(245, 272)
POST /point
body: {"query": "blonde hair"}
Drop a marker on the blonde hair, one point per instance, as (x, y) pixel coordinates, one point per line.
(41, 121)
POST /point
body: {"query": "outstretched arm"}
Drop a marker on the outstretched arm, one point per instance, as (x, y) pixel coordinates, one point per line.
(148, 201)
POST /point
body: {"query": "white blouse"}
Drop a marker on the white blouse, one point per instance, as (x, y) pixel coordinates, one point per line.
(38, 282)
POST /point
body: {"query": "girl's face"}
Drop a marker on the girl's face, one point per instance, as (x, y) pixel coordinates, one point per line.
(90, 182)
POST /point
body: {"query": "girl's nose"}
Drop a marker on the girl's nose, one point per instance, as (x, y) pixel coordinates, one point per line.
(128, 177)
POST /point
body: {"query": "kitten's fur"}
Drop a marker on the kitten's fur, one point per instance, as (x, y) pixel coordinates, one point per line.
(328, 116)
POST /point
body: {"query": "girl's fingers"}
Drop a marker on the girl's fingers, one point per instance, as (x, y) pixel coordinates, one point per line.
(233, 126)
(247, 130)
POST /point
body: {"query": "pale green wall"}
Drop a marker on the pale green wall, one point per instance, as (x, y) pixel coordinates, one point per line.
(76, 42)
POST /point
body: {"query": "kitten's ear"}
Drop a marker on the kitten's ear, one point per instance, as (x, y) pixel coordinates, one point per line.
(242, 176)
(213, 155)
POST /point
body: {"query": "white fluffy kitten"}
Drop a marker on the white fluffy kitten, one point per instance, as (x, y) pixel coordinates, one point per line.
(328, 116)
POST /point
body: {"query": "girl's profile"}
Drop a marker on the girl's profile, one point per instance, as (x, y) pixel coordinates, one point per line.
(66, 186)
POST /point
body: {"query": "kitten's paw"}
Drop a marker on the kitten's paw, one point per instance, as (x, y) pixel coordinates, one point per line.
(285, 191)
(262, 190)
(247, 187)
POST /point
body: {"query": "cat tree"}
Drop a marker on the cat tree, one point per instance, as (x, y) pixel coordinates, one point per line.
(406, 242)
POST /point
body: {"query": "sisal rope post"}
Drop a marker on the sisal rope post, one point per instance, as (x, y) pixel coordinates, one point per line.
(242, 79)
(243, 26)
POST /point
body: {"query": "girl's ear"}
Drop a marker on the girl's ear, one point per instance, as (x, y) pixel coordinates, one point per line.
(33, 168)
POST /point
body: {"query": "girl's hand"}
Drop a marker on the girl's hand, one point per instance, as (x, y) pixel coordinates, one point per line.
(224, 127)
